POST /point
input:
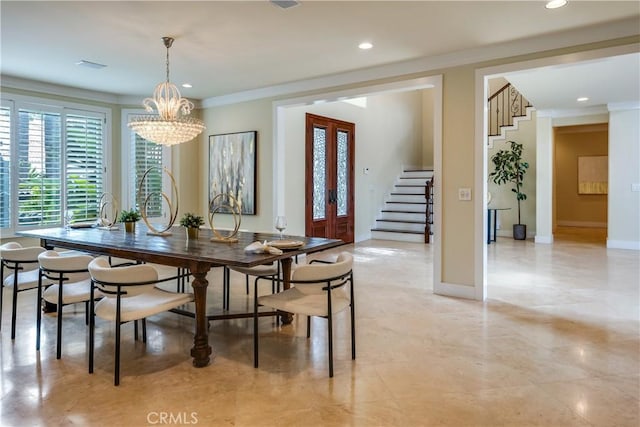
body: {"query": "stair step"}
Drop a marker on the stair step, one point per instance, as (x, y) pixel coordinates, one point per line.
(401, 211)
(410, 203)
(401, 220)
(395, 230)
(398, 237)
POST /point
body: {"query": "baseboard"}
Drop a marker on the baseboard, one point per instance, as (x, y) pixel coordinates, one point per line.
(623, 244)
(587, 224)
(544, 239)
(455, 290)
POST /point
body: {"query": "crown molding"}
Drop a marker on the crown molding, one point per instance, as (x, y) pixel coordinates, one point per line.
(573, 112)
(623, 106)
(569, 38)
(581, 36)
(59, 90)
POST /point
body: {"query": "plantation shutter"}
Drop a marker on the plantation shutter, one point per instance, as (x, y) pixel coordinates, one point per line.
(147, 154)
(39, 167)
(5, 166)
(85, 165)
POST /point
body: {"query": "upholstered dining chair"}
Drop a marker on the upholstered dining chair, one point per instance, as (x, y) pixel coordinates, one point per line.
(23, 262)
(71, 284)
(129, 293)
(271, 271)
(321, 289)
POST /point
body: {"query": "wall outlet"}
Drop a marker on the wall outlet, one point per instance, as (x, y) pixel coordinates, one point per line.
(464, 194)
(635, 187)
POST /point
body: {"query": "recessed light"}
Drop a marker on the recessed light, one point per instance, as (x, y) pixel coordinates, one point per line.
(365, 45)
(285, 4)
(582, 99)
(187, 85)
(554, 4)
(89, 64)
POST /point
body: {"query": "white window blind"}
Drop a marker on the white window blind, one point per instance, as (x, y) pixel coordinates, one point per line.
(146, 155)
(5, 166)
(39, 168)
(52, 159)
(84, 165)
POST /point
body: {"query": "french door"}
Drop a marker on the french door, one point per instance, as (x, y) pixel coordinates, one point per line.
(329, 210)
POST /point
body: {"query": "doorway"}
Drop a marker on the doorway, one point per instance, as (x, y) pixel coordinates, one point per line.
(329, 178)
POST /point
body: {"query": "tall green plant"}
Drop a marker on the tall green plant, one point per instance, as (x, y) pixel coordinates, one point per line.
(509, 168)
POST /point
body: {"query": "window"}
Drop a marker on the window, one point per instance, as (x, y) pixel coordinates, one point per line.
(52, 159)
(139, 156)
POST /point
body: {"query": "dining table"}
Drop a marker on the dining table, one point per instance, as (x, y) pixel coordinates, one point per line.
(176, 250)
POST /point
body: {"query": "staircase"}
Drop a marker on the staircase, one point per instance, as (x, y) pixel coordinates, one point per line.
(404, 215)
(506, 108)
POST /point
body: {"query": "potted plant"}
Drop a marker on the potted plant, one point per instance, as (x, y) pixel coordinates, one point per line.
(129, 218)
(509, 168)
(192, 223)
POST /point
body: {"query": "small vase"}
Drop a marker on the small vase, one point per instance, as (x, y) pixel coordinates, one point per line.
(193, 233)
(130, 227)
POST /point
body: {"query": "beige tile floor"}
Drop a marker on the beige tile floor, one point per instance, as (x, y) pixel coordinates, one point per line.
(555, 344)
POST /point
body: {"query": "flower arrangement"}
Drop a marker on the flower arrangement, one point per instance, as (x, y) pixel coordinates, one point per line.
(129, 216)
(190, 220)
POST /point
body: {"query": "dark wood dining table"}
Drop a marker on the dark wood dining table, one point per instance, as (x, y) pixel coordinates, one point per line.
(197, 255)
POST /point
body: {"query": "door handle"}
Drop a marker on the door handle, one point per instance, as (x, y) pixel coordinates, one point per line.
(333, 196)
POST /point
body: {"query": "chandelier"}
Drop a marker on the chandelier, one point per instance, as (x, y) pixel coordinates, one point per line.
(170, 124)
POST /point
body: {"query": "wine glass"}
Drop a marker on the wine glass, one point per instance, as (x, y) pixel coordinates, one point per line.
(68, 216)
(281, 224)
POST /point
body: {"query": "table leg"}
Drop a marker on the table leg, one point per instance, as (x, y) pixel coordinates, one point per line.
(286, 318)
(201, 349)
(488, 226)
(495, 225)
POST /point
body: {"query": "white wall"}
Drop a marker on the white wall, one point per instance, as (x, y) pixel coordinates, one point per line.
(388, 135)
(624, 204)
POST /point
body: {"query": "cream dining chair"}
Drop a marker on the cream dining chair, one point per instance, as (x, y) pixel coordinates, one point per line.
(321, 289)
(71, 284)
(129, 293)
(23, 262)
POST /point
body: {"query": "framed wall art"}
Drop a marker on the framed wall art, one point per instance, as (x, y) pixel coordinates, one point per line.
(593, 174)
(232, 168)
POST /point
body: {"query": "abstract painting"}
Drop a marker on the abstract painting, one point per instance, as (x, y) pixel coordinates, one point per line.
(232, 168)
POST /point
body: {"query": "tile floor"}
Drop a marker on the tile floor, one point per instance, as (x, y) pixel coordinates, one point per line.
(555, 344)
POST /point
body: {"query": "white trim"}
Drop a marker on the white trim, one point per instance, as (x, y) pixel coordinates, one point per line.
(19, 101)
(480, 166)
(60, 90)
(456, 290)
(125, 161)
(623, 106)
(340, 95)
(435, 82)
(623, 244)
(547, 240)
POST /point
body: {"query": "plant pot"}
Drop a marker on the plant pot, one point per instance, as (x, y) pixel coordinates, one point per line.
(130, 227)
(519, 231)
(193, 233)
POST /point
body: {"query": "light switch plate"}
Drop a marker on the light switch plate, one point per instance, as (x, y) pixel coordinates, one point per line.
(464, 194)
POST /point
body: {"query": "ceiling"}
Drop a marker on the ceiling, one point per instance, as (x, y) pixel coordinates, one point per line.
(223, 48)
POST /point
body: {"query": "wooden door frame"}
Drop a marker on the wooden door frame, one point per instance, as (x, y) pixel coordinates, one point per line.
(333, 126)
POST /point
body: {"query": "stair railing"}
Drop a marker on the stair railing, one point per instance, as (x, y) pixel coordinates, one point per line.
(428, 193)
(504, 105)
